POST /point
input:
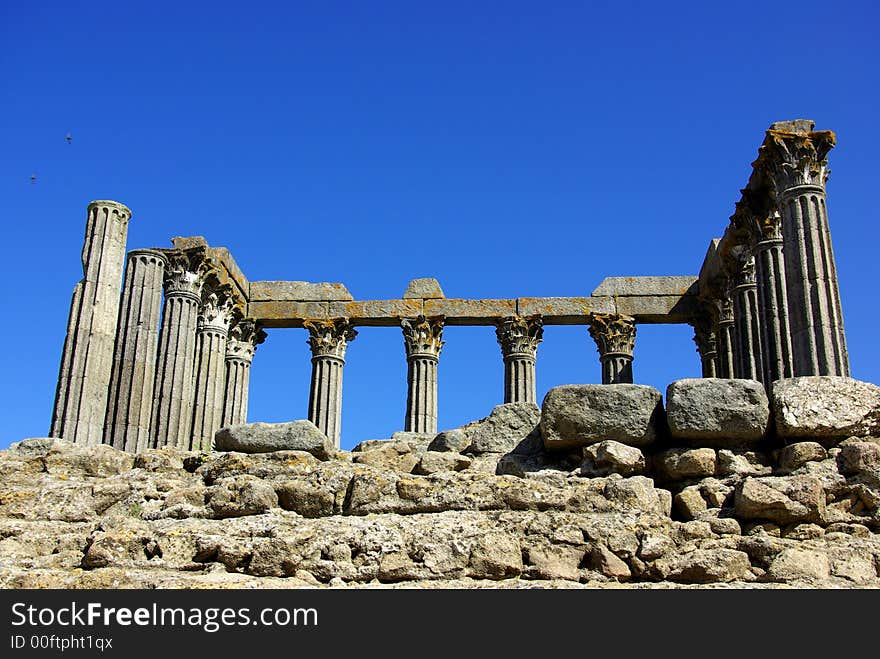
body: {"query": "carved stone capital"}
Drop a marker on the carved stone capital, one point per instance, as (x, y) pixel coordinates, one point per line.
(724, 311)
(769, 230)
(423, 336)
(613, 334)
(329, 338)
(185, 273)
(791, 159)
(704, 337)
(218, 310)
(745, 276)
(519, 336)
(244, 337)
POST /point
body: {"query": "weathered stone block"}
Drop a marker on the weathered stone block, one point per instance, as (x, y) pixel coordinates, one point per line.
(579, 415)
(706, 566)
(496, 556)
(265, 437)
(610, 457)
(825, 408)
(795, 456)
(504, 428)
(432, 462)
(302, 291)
(723, 413)
(425, 288)
(638, 286)
(377, 312)
(856, 457)
(464, 311)
(450, 440)
(288, 314)
(564, 310)
(682, 463)
(784, 500)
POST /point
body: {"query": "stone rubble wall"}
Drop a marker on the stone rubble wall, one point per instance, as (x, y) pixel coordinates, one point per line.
(603, 486)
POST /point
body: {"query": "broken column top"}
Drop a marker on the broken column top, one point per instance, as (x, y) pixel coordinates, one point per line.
(424, 289)
(794, 126)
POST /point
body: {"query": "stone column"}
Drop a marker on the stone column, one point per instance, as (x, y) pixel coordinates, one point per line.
(704, 337)
(794, 159)
(724, 334)
(328, 341)
(747, 331)
(134, 362)
(240, 346)
(174, 389)
(773, 302)
(615, 337)
(216, 315)
(519, 339)
(87, 360)
(422, 338)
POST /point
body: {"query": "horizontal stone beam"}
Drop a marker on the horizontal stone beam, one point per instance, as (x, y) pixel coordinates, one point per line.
(646, 286)
(299, 291)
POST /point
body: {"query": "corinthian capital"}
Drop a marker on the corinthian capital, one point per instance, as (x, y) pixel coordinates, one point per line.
(791, 158)
(244, 337)
(704, 337)
(218, 309)
(519, 336)
(613, 334)
(423, 336)
(329, 338)
(185, 272)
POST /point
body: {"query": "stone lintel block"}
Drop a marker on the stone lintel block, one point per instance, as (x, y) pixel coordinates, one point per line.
(188, 242)
(386, 313)
(564, 310)
(642, 286)
(464, 312)
(228, 270)
(287, 313)
(424, 289)
(300, 291)
(658, 308)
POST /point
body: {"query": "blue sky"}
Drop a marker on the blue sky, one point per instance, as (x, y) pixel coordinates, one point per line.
(507, 149)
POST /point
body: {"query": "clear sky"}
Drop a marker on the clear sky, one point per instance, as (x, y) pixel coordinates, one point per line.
(505, 148)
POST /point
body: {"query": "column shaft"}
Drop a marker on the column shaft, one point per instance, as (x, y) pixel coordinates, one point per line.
(210, 388)
(240, 347)
(519, 379)
(134, 363)
(773, 310)
(422, 338)
(519, 338)
(328, 341)
(86, 363)
(747, 331)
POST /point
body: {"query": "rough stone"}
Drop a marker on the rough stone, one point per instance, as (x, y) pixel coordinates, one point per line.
(706, 566)
(496, 556)
(610, 457)
(783, 500)
(680, 464)
(690, 503)
(455, 439)
(606, 562)
(858, 457)
(580, 415)
(500, 432)
(265, 437)
(795, 456)
(742, 463)
(799, 565)
(723, 413)
(825, 408)
(433, 462)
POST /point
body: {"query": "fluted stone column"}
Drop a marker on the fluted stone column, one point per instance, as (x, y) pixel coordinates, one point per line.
(175, 386)
(240, 346)
(747, 331)
(615, 337)
(795, 161)
(773, 302)
(704, 337)
(87, 360)
(724, 335)
(217, 313)
(519, 339)
(422, 338)
(328, 341)
(134, 363)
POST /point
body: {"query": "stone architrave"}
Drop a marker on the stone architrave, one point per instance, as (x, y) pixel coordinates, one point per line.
(216, 315)
(615, 337)
(175, 387)
(519, 339)
(244, 337)
(134, 363)
(747, 331)
(724, 334)
(328, 341)
(704, 337)
(794, 160)
(422, 338)
(773, 300)
(87, 360)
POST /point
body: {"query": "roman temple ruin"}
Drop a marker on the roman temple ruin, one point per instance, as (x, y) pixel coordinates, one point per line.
(166, 363)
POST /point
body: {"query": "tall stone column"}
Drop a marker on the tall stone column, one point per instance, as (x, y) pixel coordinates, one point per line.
(216, 315)
(422, 338)
(328, 341)
(240, 346)
(87, 360)
(794, 158)
(134, 363)
(615, 337)
(724, 334)
(519, 339)
(704, 337)
(747, 331)
(773, 302)
(175, 388)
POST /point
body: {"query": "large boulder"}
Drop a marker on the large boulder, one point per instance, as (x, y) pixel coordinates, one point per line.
(266, 437)
(718, 412)
(503, 429)
(825, 408)
(577, 415)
